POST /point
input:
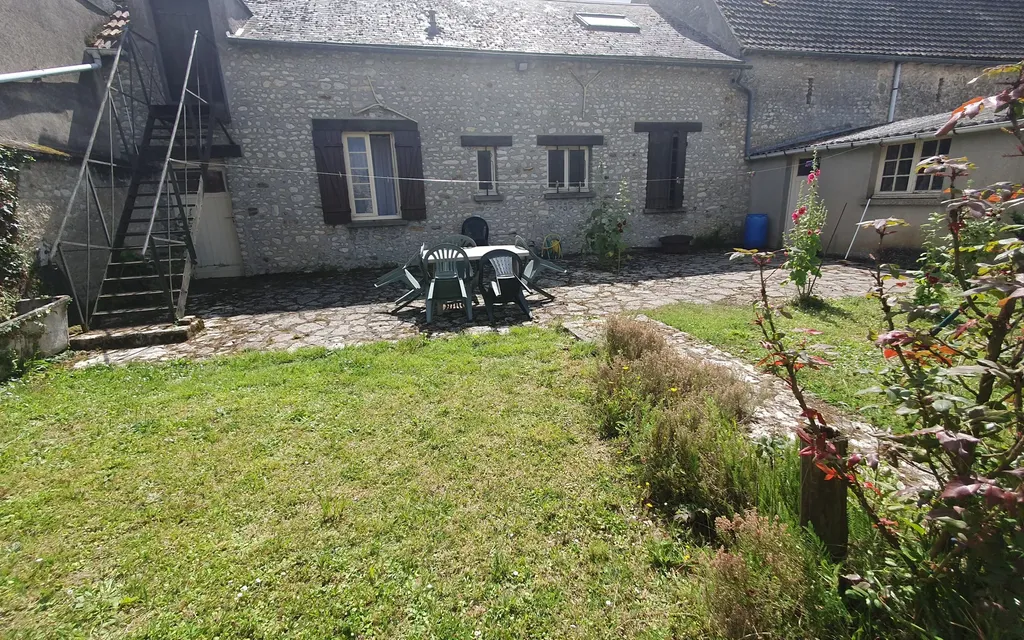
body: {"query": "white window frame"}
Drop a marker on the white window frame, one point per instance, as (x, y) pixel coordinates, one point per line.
(912, 181)
(365, 136)
(494, 170)
(565, 168)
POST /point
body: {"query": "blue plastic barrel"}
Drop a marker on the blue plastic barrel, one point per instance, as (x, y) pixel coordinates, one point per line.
(755, 233)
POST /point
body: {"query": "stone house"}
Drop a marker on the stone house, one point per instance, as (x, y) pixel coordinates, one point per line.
(525, 112)
(823, 70)
(819, 68)
(871, 174)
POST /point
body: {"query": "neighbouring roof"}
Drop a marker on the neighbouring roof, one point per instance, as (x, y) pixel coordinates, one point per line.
(545, 27)
(112, 30)
(960, 29)
(923, 126)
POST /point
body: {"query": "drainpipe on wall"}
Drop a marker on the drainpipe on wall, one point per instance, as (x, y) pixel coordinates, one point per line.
(894, 96)
(750, 115)
(54, 71)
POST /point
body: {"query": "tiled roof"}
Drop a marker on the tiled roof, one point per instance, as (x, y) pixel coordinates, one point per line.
(112, 30)
(513, 26)
(922, 125)
(962, 29)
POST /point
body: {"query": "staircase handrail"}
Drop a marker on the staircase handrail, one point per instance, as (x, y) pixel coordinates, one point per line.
(185, 92)
(100, 113)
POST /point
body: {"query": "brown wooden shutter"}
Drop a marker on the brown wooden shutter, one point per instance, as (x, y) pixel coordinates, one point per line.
(659, 166)
(677, 192)
(330, 165)
(409, 159)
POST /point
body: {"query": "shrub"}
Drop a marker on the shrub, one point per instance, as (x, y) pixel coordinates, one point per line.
(631, 339)
(766, 581)
(698, 457)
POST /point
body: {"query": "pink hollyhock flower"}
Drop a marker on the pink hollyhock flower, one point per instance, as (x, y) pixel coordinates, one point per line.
(812, 176)
(799, 213)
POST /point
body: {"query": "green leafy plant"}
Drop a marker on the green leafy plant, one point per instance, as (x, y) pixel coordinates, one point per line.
(13, 261)
(604, 233)
(803, 242)
(953, 564)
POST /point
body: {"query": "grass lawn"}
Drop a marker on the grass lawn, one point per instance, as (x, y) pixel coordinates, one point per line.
(844, 324)
(425, 489)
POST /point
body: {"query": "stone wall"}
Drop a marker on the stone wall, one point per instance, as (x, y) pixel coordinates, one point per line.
(44, 190)
(844, 93)
(276, 92)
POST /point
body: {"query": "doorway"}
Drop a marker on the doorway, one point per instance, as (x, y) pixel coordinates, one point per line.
(216, 239)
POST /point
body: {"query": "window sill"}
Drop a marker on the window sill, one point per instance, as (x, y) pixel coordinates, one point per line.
(568, 195)
(665, 211)
(906, 199)
(383, 222)
(494, 197)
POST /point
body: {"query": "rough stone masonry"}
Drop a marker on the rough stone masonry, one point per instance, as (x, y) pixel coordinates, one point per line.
(276, 91)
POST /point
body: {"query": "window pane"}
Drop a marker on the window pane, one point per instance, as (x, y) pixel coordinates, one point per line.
(384, 175)
(890, 168)
(901, 183)
(361, 191)
(892, 152)
(929, 148)
(907, 150)
(577, 168)
(483, 167)
(937, 183)
(358, 160)
(364, 206)
(556, 168)
(357, 145)
(904, 167)
(944, 146)
(922, 183)
(886, 184)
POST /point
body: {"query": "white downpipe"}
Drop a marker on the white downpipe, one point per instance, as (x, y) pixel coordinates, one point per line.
(54, 71)
(863, 214)
(896, 75)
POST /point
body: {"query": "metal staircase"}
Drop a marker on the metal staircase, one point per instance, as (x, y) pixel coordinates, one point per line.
(151, 260)
(156, 182)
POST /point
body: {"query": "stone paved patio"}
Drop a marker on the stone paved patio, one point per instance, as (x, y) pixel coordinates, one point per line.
(322, 310)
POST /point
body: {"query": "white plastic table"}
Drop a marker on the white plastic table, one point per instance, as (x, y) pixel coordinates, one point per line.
(475, 253)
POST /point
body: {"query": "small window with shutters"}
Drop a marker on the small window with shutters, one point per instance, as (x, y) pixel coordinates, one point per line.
(369, 170)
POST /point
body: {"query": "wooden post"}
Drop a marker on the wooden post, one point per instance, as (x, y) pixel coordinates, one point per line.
(823, 504)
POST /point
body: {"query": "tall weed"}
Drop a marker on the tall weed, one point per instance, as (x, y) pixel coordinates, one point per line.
(767, 581)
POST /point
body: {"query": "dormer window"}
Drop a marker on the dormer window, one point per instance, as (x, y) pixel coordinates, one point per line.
(607, 22)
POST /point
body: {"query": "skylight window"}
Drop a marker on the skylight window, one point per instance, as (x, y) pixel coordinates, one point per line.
(607, 22)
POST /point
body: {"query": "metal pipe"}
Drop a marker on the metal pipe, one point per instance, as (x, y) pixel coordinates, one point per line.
(54, 71)
(894, 96)
(750, 114)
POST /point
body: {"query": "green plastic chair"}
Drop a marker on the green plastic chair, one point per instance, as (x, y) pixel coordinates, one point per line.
(406, 275)
(501, 281)
(552, 247)
(535, 267)
(459, 241)
(449, 271)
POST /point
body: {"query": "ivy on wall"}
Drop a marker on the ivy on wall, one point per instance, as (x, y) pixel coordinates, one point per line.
(13, 262)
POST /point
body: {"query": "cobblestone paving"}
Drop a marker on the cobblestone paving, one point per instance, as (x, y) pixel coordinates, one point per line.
(288, 312)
